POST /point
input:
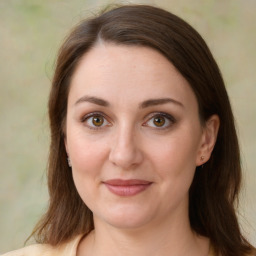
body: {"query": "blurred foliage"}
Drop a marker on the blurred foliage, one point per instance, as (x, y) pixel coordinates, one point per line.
(31, 32)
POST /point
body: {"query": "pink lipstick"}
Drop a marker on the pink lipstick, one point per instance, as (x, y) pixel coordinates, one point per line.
(127, 187)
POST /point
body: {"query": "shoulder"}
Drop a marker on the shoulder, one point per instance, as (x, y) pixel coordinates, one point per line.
(66, 249)
(35, 250)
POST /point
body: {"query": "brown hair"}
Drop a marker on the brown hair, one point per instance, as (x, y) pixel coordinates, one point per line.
(215, 188)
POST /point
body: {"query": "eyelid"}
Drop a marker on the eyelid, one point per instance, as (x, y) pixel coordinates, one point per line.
(169, 117)
(149, 117)
(84, 118)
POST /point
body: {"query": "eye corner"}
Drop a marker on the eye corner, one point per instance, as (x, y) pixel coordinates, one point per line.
(168, 120)
(88, 120)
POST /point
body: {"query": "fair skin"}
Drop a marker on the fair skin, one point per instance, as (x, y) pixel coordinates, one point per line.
(134, 139)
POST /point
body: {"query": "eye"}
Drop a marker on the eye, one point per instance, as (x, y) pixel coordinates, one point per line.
(95, 120)
(160, 120)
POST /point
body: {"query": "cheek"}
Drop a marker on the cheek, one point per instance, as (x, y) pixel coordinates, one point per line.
(174, 151)
(87, 155)
(84, 150)
(88, 159)
(174, 159)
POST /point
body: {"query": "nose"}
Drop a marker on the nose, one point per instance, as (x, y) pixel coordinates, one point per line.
(125, 152)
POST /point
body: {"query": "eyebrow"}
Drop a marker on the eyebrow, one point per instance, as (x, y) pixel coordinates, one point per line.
(154, 102)
(144, 104)
(93, 100)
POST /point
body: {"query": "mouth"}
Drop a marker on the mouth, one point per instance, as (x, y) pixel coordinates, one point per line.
(127, 187)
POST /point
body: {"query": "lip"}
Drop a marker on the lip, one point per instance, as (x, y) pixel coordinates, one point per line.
(127, 187)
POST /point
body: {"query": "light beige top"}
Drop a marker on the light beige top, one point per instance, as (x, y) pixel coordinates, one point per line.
(66, 249)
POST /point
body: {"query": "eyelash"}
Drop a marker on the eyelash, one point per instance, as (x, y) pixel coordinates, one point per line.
(85, 119)
(167, 117)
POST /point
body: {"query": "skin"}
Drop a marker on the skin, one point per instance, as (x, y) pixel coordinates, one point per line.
(160, 142)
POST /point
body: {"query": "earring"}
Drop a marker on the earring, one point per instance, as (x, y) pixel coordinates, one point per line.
(202, 158)
(69, 162)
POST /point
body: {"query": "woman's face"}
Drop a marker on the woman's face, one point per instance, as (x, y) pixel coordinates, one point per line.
(133, 135)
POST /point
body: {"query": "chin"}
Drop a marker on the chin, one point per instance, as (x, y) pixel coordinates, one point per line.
(126, 218)
(127, 223)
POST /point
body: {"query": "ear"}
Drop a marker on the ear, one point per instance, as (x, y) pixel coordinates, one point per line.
(66, 144)
(208, 139)
(66, 147)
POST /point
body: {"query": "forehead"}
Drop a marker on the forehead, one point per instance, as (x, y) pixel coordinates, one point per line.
(128, 72)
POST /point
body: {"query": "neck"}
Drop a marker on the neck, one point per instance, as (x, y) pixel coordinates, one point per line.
(171, 237)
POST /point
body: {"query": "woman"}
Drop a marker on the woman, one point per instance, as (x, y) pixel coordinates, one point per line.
(144, 157)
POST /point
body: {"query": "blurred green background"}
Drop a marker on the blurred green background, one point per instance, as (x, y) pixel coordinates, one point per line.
(31, 32)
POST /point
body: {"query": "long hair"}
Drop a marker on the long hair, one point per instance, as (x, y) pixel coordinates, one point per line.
(214, 191)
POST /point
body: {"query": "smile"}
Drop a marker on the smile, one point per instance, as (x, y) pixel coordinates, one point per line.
(126, 187)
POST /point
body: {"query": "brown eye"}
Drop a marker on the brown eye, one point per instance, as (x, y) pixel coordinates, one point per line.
(97, 120)
(159, 121)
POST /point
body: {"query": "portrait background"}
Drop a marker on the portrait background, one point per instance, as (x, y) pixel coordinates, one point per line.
(31, 32)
